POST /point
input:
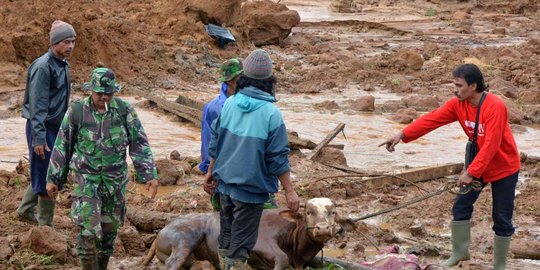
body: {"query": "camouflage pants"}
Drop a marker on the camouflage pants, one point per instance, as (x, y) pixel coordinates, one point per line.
(98, 219)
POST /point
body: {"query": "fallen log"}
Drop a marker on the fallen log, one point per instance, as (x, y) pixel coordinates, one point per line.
(147, 220)
(326, 141)
(186, 112)
(414, 175)
(526, 248)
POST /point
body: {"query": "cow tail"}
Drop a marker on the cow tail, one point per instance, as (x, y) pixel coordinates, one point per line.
(150, 254)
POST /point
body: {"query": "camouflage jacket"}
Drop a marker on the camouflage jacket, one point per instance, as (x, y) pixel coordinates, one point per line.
(94, 154)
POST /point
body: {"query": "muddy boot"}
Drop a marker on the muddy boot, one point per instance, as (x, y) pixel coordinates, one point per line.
(102, 261)
(45, 211)
(26, 211)
(461, 239)
(222, 254)
(88, 262)
(500, 251)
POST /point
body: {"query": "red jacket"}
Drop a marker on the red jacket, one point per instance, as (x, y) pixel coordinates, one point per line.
(498, 156)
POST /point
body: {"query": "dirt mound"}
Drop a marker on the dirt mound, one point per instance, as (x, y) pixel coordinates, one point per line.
(266, 22)
(141, 39)
(221, 12)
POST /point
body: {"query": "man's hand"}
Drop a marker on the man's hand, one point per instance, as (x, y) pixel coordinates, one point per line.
(152, 184)
(210, 184)
(40, 150)
(293, 202)
(465, 179)
(392, 142)
(52, 190)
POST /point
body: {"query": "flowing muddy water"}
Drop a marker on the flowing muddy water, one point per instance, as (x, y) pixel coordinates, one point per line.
(363, 131)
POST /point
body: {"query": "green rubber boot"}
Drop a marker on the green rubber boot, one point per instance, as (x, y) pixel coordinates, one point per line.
(500, 251)
(461, 239)
(26, 211)
(45, 211)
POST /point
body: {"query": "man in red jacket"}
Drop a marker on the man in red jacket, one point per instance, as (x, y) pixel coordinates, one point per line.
(497, 161)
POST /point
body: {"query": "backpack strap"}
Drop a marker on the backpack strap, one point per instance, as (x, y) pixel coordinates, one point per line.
(123, 111)
(77, 114)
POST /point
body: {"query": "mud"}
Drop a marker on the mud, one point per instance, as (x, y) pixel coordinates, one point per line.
(373, 65)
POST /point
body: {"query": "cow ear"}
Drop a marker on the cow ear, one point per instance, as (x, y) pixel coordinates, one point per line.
(290, 216)
(346, 223)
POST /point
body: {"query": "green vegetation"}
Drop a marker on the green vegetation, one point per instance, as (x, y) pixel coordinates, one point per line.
(431, 12)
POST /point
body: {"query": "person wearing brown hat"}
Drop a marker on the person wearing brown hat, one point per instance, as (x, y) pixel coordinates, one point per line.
(46, 101)
(249, 156)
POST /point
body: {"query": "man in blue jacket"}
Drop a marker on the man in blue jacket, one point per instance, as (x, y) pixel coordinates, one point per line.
(46, 100)
(230, 71)
(249, 153)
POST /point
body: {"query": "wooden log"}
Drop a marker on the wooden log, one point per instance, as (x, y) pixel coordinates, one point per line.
(326, 141)
(415, 175)
(189, 113)
(147, 220)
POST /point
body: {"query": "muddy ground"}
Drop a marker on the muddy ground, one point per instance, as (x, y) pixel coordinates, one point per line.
(374, 65)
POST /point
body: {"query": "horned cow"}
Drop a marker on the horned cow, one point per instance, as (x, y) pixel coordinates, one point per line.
(285, 238)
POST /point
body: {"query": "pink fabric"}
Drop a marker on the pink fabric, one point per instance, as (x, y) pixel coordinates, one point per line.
(390, 259)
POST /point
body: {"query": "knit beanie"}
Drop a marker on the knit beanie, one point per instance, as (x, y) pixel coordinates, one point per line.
(61, 30)
(258, 65)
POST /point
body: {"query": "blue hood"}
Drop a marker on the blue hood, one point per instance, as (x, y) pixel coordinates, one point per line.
(250, 99)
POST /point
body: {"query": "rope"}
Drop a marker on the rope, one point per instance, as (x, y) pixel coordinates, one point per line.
(476, 185)
(438, 192)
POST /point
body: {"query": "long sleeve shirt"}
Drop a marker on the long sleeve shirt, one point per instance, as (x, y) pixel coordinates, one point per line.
(498, 156)
(250, 146)
(46, 97)
(211, 112)
(93, 152)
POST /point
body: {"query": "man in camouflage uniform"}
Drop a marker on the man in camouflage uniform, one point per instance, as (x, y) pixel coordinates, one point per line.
(91, 151)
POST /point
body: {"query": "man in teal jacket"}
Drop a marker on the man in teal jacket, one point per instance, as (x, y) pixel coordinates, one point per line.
(249, 153)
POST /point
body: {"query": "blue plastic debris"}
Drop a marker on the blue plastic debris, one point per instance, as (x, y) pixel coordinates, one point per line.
(222, 35)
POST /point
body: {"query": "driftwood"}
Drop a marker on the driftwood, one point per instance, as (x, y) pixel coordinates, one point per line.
(186, 112)
(414, 175)
(326, 141)
(147, 220)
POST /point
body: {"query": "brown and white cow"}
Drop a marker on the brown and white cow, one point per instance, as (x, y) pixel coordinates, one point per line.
(285, 238)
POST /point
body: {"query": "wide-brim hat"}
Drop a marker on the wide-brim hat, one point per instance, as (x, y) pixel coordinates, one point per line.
(102, 80)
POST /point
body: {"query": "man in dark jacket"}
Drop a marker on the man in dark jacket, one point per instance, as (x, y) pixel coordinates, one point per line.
(46, 101)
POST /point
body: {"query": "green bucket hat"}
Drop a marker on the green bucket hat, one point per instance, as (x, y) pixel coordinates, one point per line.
(230, 69)
(102, 81)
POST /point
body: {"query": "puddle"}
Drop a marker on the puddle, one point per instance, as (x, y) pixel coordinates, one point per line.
(163, 191)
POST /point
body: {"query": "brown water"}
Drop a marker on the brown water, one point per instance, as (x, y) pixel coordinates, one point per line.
(364, 131)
